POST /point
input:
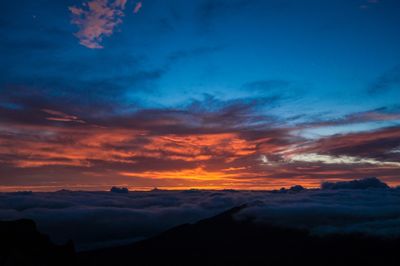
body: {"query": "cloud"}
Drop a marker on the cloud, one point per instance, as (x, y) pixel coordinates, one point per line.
(328, 159)
(366, 183)
(81, 85)
(368, 211)
(122, 143)
(137, 8)
(97, 19)
(375, 144)
(377, 115)
(62, 117)
(206, 143)
(97, 219)
(94, 219)
(156, 143)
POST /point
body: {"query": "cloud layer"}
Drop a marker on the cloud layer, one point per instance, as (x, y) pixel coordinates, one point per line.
(371, 211)
(95, 219)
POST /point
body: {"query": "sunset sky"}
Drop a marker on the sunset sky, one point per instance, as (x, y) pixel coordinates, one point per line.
(178, 94)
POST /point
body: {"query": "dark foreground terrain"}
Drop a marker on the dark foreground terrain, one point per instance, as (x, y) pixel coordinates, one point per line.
(21, 244)
(220, 240)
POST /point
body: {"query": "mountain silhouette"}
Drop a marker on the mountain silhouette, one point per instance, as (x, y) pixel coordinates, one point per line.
(223, 240)
(21, 244)
(219, 240)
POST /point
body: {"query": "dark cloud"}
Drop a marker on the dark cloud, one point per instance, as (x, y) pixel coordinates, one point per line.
(366, 183)
(209, 115)
(372, 144)
(382, 114)
(109, 89)
(105, 82)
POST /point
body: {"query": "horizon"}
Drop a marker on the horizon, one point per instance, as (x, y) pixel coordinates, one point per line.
(47, 189)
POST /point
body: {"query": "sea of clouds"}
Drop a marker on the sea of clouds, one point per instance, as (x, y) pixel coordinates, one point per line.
(99, 219)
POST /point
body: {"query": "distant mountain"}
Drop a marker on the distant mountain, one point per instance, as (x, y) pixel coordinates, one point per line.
(21, 244)
(222, 240)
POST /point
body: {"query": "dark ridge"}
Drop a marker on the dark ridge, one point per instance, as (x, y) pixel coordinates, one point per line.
(222, 240)
(21, 244)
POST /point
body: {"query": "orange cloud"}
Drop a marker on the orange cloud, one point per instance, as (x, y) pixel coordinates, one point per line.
(198, 173)
(165, 150)
(200, 147)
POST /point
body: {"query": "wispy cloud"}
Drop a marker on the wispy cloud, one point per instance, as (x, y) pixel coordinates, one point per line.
(137, 8)
(97, 19)
(62, 117)
(329, 159)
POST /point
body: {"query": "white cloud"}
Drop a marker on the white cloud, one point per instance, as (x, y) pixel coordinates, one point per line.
(343, 159)
(397, 150)
(264, 159)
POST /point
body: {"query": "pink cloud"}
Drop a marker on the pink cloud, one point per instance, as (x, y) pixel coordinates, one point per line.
(96, 19)
(137, 7)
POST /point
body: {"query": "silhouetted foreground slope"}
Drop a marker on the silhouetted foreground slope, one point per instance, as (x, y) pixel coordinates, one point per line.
(22, 245)
(221, 240)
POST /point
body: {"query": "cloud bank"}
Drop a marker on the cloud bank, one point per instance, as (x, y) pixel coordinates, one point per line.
(96, 219)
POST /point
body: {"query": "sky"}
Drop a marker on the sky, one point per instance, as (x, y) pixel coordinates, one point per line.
(209, 94)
